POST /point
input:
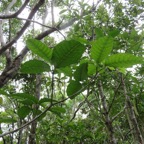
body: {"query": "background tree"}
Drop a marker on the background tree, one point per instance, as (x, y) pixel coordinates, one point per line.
(73, 86)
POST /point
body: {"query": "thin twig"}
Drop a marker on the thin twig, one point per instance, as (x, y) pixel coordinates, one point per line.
(113, 118)
(55, 28)
(51, 105)
(22, 30)
(16, 13)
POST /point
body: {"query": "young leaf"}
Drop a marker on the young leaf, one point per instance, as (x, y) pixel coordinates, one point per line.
(73, 89)
(67, 53)
(81, 72)
(34, 67)
(23, 111)
(123, 60)
(39, 48)
(101, 48)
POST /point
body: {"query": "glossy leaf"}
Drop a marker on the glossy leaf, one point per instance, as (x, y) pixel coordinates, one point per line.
(101, 48)
(34, 67)
(73, 89)
(39, 48)
(67, 53)
(123, 60)
(23, 111)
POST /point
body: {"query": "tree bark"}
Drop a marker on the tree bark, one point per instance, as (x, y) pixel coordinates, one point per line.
(131, 114)
(108, 121)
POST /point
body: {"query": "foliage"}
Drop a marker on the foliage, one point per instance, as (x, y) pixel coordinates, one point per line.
(76, 88)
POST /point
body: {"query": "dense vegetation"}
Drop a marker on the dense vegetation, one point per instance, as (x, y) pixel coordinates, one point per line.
(71, 72)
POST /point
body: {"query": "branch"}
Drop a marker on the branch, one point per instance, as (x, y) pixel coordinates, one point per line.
(12, 70)
(138, 136)
(44, 17)
(51, 105)
(79, 106)
(114, 97)
(10, 6)
(8, 52)
(1, 34)
(20, 33)
(114, 117)
(108, 121)
(52, 12)
(28, 123)
(16, 13)
(56, 28)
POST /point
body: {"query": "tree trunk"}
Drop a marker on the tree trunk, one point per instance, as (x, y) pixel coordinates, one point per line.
(108, 121)
(131, 114)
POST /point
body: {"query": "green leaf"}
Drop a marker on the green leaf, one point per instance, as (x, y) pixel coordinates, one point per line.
(81, 72)
(7, 120)
(67, 53)
(65, 70)
(123, 60)
(58, 110)
(81, 40)
(34, 67)
(73, 89)
(43, 100)
(1, 100)
(62, 11)
(99, 33)
(26, 102)
(38, 112)
(39, 48)
(91, 69)
(23, 111)
(3, 92)
(101, 48)
(113, 33)
(25, 96)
